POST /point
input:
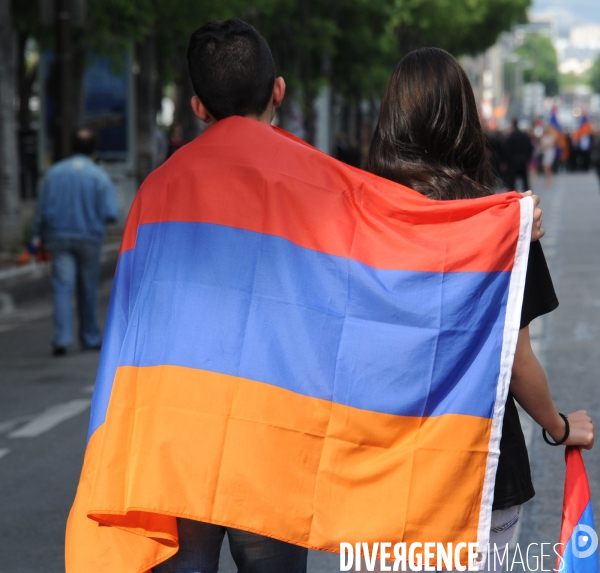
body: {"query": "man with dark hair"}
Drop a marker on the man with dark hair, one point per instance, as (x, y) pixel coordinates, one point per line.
(76, 201)
(232, 71)
(83, 142)
(518, 150)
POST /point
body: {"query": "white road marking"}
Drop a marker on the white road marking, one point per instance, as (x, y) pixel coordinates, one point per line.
(3, 452)
(7, 306)
(10, 424)
(19, 317)
(51, 418)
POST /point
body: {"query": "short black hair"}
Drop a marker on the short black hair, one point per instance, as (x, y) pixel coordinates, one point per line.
(83, 141)
(231, 68)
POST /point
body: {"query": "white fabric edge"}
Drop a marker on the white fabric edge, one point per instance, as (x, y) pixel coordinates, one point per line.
(512, 324)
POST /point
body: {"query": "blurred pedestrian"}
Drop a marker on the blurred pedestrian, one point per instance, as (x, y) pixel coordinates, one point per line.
(548, 149)
(571, 158)
(77, 200)
(498, 160)
(176, 140)
(348, 152)
(534, 163)
(160, 148)
(442, 155)
(583, 138)
(595, 153)
(518, 150)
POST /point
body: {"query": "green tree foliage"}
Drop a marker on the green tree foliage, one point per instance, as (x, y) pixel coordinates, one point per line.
(594, 77)
(350, 44)
(539, 50)
(459, 26)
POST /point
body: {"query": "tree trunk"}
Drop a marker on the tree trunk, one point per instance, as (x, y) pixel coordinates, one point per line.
(184, 115)
(283, 113)
(145, 106)
(24, 83)
(64, 60)
(77, 94)
(409, 39)
(10, 207)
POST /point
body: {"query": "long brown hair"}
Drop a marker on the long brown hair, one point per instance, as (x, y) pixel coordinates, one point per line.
(429, 136)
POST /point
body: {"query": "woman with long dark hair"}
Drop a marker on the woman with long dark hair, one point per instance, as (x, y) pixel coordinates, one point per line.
(429, 138)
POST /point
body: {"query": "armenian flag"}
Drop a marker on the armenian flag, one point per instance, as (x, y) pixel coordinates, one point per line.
(584, 130)
(562, 145)
(578, 547)
(299, 349)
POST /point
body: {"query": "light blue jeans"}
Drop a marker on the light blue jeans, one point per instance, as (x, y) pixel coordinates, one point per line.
(200, 547)
(504, 525)
(75, 264)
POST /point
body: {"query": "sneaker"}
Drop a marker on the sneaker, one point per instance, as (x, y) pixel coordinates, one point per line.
(59, 351)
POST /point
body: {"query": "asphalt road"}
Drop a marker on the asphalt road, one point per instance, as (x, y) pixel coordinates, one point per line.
(569, 345)
(44, 400)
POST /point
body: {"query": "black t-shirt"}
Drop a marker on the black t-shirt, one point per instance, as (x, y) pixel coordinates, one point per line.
(513, 478)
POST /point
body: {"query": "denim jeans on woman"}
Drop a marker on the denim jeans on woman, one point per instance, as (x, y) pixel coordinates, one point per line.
(75, 265)
(200, 547)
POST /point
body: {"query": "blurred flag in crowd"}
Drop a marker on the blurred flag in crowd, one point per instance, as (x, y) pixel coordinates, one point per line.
(562, 145)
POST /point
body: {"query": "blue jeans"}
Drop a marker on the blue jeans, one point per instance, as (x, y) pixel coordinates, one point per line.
(75, 263)
(200, 547)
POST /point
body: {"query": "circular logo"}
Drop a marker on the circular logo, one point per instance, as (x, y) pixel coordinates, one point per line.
(584, 536)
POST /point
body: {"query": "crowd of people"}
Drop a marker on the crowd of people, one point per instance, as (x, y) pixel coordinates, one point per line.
(519, 155)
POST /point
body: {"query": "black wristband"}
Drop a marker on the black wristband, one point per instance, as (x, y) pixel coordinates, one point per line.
(564, 438)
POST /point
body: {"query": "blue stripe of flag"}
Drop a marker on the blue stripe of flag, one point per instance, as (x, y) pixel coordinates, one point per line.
(257, 306)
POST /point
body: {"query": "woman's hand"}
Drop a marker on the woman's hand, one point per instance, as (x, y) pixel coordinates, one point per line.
(581, 430)
(536, 229)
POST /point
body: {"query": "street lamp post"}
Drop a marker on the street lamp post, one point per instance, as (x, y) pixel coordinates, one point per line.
(521, 64)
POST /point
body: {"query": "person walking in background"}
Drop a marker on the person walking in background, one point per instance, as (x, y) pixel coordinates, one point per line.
(498, 161)
(534, 163)
(77, 200)
(583, 138)
(519, 149)
(548, 149)
(595, 153)
(176, 140)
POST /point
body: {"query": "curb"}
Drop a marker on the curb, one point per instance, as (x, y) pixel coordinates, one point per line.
(31, 281)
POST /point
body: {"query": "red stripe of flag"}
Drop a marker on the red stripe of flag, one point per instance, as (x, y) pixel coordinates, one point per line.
(576, 498)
